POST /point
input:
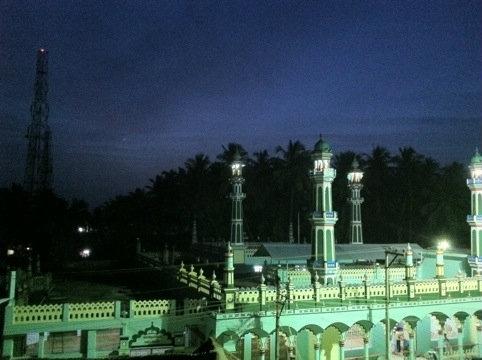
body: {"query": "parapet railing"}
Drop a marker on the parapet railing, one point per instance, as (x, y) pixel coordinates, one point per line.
(98, 311)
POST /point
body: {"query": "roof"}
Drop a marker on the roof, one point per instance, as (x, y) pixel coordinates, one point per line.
(322, 146)
(477, 158)
(344, 252)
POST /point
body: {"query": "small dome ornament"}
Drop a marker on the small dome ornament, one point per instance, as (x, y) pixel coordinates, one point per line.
(322, 146)
(262, 279)
(476, 158)
(214, 275)
(317, 277)
(201, 272)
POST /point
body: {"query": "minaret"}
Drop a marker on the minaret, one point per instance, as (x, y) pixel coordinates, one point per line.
(475, 218)
(323, 218)
(38, 171)
(237, 197)
(229, 289)
(354, 183)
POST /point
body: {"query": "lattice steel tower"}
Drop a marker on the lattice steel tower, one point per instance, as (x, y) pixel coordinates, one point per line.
(38, 171)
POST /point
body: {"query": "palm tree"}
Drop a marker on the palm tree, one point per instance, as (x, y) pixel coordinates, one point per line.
(295, 166)
(197, 170)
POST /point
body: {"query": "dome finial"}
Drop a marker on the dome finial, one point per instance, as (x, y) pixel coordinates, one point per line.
(355, 165)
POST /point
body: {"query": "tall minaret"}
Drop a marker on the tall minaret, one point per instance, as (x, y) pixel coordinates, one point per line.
(237, 197)
(354, 183)
(323, 218)
(475, 217)
(38, 171)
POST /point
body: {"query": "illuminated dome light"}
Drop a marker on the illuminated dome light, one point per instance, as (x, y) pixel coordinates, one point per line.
(321, 156)
(85, 253)
(237, 164)
(355, 175)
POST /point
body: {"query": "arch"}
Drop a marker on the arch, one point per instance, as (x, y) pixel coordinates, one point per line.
(315, 329)
(391, 323)
(461, 316)
(365, 324)
(286, 330)
(226, 336)
(138, 339)
(260, 333)
(411, 320)
(478, 314)
(341, 327)
(441, 317)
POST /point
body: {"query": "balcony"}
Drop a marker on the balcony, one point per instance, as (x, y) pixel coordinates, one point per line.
(474, 218)
(327, 215)
(475, 181)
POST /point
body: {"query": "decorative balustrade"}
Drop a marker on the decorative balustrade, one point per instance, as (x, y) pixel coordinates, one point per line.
(192, 306)
(151, 308)
(92, 311)
(31, 314)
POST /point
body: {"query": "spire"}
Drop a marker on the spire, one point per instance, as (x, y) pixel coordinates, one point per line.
(38, 171)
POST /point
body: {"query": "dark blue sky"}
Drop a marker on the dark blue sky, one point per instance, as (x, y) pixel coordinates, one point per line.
(137, 87)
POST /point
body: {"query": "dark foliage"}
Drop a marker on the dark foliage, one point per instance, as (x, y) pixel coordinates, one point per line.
(408, 198)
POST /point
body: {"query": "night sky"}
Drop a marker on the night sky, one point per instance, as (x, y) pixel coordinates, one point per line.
(137, 87)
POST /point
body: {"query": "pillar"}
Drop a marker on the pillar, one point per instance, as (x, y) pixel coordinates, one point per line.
(479, 339)
(237, 197)
(411, 345)
(117, 309)
(247, 346)
(323, 218)
(11, 288)
(354, 183)
(65, 312)
(290, 292)
(474, 219)
(272, 340)
(91, 344)
(342, 349)
(317, 350)
(262, 294)
(41, 346)
(317, 288)
(366, 348)
(262, 354)
(7, 347)
(440, 344)
(460, 341)
(439, 265)
(366, 286)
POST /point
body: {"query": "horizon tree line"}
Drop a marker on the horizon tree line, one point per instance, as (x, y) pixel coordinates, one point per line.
(408, 198)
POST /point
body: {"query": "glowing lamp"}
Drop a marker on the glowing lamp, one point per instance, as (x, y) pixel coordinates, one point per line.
(10, 252)
(85, 253)
(355, 175)
(80, 229)
(258, 268)
(443, 245)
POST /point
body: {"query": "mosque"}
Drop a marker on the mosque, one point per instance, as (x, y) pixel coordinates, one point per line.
(284, 301)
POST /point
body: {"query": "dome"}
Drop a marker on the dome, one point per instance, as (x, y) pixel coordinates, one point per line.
(477, 158)
(322, 146)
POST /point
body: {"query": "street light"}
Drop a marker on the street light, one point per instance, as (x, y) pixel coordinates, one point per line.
(443, 245)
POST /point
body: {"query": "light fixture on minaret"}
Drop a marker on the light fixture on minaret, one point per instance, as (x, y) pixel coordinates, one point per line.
(323, 217)
(474, 220)
(237, 197)
(355, 177)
